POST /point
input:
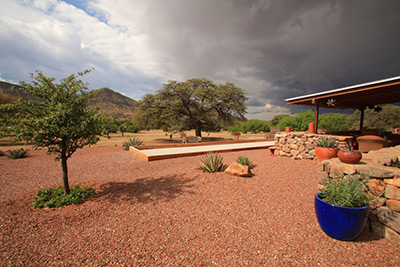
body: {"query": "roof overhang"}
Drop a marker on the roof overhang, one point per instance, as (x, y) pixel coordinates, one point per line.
(354, 97)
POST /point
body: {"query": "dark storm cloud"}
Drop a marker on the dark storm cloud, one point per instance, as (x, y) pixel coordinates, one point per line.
(273, 49)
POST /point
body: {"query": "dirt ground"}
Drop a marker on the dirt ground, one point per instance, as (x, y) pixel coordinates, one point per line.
(153, 137)
(169, 213)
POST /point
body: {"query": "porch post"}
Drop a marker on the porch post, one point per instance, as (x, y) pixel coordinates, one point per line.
(316, 117)
(361, 118)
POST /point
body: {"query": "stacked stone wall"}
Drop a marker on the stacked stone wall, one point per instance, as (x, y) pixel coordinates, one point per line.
(300, 145)
(384, 182)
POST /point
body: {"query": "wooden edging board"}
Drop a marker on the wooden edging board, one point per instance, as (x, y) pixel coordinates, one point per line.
(142, 154)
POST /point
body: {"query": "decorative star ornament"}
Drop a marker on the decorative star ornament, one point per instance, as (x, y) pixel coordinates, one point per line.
(331, 102)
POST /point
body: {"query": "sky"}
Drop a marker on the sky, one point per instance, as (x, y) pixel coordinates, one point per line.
(273, 49)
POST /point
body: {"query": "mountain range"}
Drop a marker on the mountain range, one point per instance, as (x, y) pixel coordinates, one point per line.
(110, 102)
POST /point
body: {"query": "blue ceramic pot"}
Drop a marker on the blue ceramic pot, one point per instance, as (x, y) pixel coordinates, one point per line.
(342, 223)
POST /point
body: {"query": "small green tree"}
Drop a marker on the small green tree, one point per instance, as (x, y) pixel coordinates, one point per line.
(277, 118)
(109, 125)
(332, 121)
(61, 121)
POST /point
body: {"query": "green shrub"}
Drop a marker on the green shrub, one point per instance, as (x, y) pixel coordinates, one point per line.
(332, 121)
(55, 197)
(346, 191)
(212, 162)
(395, 164)
(245, 161)
(324, 141)
(2, 153)
(17, 154)
(234, 129)
(132, 142)
(253, 126)
(132, 128)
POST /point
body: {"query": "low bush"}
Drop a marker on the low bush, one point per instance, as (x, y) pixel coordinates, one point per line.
(2, 153)
(253, 126)
(132, 142)
(17, 154)
(212, 162)
(55, 197)
(246, 162)
(132, 128)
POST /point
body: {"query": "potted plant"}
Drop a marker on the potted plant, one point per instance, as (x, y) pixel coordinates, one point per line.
(348, 155)
(326, 148)
(342, 207)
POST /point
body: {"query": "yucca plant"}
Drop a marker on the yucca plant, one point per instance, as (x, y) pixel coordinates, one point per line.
(245, 161)
(132, 142)
(17, 153)
(324, 141)
(212, 162)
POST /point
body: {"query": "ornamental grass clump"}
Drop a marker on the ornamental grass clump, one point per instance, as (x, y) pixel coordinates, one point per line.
(347, 191)
(55, 197)
(132, 142)
(245, 161)
(17, 154)
(212, 162)
(324, 141)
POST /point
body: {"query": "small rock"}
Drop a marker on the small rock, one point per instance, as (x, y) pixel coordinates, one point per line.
(376, 186)
(392, 192)
(238, 170)
(395, 182)
(393, 204)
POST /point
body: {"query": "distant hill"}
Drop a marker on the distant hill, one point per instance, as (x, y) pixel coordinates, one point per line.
(113, 103)
(110, 102)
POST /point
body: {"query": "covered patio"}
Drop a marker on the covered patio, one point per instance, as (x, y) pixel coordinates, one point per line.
(358, 96)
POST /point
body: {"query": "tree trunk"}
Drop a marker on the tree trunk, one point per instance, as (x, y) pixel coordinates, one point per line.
(198, 130)
(65, 172)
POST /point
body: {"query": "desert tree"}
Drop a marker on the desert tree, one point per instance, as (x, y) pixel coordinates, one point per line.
(194, 104)
(60, 121)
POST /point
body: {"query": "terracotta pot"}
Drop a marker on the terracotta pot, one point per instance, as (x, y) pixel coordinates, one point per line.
(288, 129)
(311, 128)
(351, 157)
(324, 153)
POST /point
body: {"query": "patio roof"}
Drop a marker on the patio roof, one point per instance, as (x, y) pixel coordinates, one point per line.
(354, 97)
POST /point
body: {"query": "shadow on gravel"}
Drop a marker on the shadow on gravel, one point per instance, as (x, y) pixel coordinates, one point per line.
(367, 236)
(147, 190)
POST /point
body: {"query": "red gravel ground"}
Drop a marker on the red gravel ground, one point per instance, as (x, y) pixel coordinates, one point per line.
(168, 213)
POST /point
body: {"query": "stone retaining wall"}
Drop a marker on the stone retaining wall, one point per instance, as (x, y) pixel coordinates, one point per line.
(384, 181)
(300, 145)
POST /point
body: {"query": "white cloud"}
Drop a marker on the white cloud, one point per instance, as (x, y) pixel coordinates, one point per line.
(272, 49)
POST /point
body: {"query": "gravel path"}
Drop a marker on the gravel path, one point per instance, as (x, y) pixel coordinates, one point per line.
(168, 213)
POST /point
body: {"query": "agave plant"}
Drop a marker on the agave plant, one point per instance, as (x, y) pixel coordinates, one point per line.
(132, 142)
(324, 141)
(17, 153)
(212, 162)
(347, 191)
(245, 161)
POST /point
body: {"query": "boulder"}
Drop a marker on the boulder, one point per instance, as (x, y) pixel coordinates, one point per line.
(238, 170)
(389, 218)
